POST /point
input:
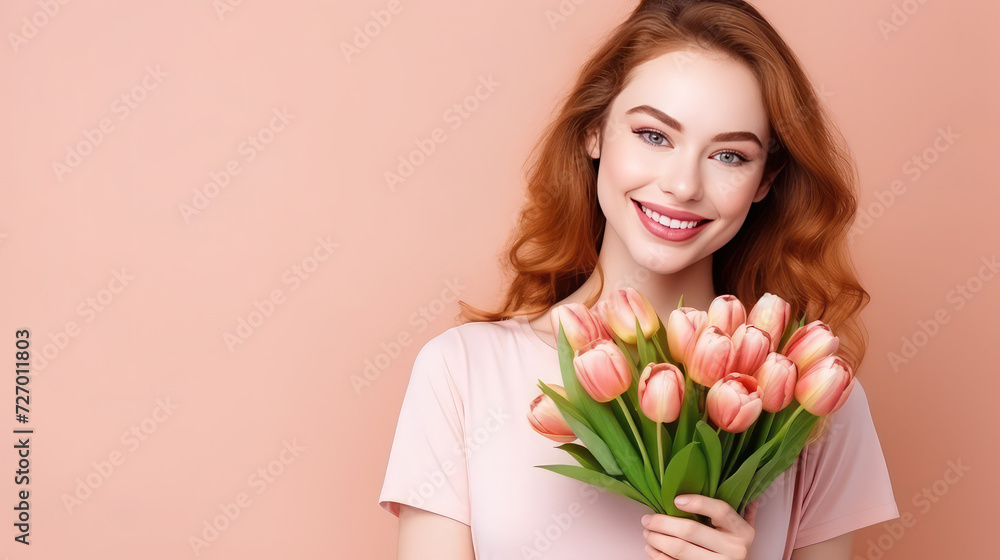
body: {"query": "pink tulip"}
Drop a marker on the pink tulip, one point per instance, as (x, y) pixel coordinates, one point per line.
(727, 313)
(771, 314)
(710, 356)
(684, 324)
(580, 324)
(734, 402)
(809, 344)
(776, 379)
(602, 369)
(750, 348)
(546, 418)
(825, 386)
(661, 392)
(624, 307)
(600, 310)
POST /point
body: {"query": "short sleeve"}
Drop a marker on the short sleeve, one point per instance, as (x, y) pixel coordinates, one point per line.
(427, 463)
(845, 481)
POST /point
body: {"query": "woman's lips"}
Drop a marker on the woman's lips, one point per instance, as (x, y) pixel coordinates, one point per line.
(664, 232)
(671, 213)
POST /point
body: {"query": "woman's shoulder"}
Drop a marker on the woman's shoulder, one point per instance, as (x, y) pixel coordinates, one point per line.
(854, 412)
(474, 339)
(849, 430)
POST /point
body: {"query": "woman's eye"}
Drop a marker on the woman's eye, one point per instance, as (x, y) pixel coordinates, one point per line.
(732, 158)
(652, 137)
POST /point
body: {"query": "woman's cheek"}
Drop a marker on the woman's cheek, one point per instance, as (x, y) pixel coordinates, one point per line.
(631, 171)
(737, 187)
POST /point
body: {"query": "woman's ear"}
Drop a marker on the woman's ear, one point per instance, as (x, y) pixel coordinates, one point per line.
(765, 183)
(594, 144)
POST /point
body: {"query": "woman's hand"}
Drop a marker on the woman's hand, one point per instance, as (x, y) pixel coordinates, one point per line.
(675, 538)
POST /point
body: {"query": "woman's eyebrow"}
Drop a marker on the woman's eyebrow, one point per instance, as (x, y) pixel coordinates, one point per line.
(673, 123)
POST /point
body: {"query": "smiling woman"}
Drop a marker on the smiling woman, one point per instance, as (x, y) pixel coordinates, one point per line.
(691, 157)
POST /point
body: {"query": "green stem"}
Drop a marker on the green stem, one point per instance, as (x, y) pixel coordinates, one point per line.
(635, 432)
(659, 448)
(761, 432)
(787, 423)
(726, 439)
(733, 460)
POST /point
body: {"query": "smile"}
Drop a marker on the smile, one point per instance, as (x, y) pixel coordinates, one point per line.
(665, 221)
(666, 228)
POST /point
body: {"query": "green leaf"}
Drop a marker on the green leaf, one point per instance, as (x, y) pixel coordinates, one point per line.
(788, 451)
(647, 428)
(713, 453)
(685, 474)
(646, 354)
(762, 428)
(790, 330)
(739, 446)
(600, 450)
(582, 456)
(565, 407)
(603, 420)
(667, 446)
(654, 485)
(688, 417)
(660, 341)
(598, 479)
(734, 488)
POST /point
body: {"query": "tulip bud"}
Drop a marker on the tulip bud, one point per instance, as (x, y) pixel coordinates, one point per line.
(771, 314)
(734, 402)
(602, 369)
(546, 418)
(661, 392)
(580, 325)
(624, 307)
(825, 386)
(750, 348)
(776, 378)
(809, 344)
(600, 310)
(710, 356)
(727, 313)
(684, 324)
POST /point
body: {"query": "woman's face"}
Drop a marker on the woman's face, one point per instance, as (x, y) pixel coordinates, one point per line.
(687, 138)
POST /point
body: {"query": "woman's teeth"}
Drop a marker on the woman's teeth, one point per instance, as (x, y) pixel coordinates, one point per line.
(674, 224)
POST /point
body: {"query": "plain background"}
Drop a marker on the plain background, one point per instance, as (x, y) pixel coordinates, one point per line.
(325, 368)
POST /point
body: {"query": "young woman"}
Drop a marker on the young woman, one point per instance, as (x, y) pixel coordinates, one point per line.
(692, 157)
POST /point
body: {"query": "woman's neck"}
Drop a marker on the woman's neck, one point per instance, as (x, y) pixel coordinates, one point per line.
(662, 290)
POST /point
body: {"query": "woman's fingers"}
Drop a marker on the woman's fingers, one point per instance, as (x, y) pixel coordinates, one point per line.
(687, 530)
(686, 539)
(750, 514)
(656, 554)
(666, 546)
(723, 516)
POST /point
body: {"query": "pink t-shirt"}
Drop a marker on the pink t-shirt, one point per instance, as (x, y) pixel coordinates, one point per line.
(463, 448)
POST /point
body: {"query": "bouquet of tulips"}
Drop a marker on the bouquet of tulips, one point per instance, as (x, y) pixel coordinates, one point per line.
(706, 405)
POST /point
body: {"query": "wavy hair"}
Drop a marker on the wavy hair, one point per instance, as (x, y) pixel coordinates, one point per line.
(793, 242)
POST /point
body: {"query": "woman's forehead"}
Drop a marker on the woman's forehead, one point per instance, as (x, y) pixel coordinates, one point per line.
(707, 93)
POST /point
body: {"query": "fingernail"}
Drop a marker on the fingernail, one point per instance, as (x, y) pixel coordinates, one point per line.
(645, 519)
(680, 501)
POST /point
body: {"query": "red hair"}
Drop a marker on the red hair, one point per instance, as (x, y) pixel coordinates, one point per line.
(793, 242)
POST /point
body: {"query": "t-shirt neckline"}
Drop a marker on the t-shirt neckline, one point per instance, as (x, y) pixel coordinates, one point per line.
(530, 333)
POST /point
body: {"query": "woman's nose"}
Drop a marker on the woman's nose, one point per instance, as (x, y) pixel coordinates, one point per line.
(682, 178)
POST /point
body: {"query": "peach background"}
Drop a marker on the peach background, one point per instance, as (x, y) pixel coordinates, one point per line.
(394, 251)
